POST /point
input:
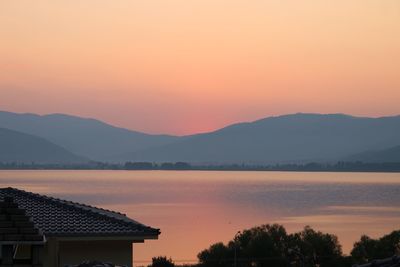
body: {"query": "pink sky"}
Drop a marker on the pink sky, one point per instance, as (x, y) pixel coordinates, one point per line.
(186, 66)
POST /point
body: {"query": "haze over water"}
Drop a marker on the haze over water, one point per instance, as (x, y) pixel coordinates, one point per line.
(195, 209)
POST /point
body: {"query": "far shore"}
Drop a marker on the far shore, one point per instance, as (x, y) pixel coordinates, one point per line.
(184, 166)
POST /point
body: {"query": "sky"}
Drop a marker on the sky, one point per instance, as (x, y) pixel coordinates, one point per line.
(188, 66)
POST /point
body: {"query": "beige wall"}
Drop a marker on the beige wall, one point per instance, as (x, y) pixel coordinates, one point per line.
(74, 252)
(50, 253)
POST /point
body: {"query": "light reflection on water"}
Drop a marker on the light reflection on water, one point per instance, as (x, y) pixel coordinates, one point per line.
(197, 208)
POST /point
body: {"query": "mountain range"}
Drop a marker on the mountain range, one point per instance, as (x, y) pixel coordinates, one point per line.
(87, 137)
(294, 138)
(25, 148)
(378, 156)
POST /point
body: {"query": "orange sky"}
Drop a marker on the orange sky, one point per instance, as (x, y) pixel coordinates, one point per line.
(185, 66)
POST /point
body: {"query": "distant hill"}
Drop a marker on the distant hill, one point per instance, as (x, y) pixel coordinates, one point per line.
(88, 137)
(385, 155)
(293, 138)
(24, 148)
(296, 138)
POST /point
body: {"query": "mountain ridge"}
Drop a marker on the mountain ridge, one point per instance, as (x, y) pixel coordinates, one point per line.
(391, 154)
(17, 147)
(282, 136)
(291, 138)
(89, 137)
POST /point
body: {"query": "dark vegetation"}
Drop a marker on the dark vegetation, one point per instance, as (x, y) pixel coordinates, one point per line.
(155, 166)
(270, 245)
(162, 262)
(309, 167)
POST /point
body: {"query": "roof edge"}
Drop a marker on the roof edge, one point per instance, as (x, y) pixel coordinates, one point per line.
(109, 214)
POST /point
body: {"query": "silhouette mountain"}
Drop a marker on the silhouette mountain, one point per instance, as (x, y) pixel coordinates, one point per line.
(24, 148)
(87, 137)
(385, 155)
(292, 138)
(295, 138)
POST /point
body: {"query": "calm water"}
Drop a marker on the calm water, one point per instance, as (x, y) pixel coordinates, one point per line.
(197, 208)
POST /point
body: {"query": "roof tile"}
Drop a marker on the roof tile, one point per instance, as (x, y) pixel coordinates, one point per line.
(57, 217)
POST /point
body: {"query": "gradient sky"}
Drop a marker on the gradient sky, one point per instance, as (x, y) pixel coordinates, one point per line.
(185, 66)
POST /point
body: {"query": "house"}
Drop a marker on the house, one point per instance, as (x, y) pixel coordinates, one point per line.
(41, 231)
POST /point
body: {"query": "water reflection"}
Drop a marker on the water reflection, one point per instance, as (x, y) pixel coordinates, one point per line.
(197, 208)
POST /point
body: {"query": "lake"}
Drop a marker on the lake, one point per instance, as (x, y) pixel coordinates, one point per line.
(195, 209)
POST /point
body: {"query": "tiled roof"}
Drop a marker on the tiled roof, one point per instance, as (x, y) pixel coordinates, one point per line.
(56, 217)
(15, 225)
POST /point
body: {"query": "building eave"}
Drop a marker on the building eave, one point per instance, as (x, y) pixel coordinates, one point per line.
(133, 239)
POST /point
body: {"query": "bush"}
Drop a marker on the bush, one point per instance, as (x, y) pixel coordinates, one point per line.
(162, 262)
(270, 245)
(368, 249)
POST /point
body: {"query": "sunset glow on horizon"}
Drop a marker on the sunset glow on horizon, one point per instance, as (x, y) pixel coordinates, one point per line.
(182, 67)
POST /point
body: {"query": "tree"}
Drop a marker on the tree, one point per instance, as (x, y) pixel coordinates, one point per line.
(139, 166)
(270, 245)
(162, 262)
(218, 255)
(364, 250)
(368, 249)
(259, 246)
(316, 247)
(265, 245)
